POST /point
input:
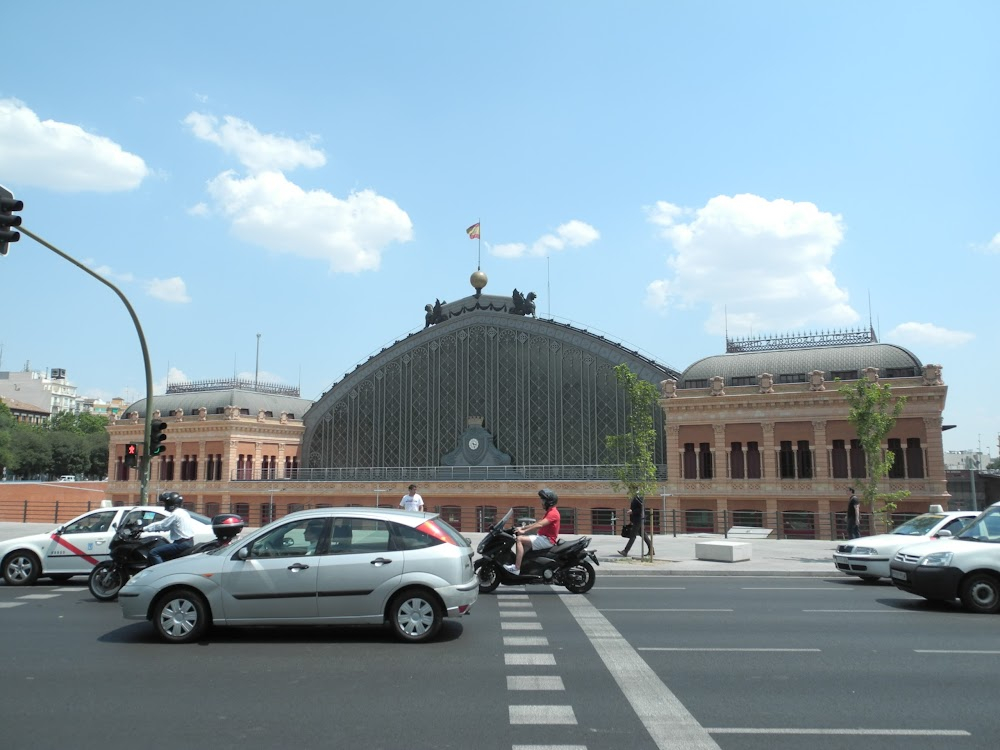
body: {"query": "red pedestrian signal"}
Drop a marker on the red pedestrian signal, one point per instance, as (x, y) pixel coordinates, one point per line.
(131, 455)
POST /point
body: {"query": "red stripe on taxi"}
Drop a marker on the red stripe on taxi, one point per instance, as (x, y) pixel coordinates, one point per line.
(75, 550)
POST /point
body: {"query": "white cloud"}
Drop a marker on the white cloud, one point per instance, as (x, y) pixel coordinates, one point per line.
(349, 234)
(61, 156)
(993, 246)
(927, 334)
(173, 376)
(265, 208)
(168, 290)
(757, 264)
(573, 233)
(257, 151)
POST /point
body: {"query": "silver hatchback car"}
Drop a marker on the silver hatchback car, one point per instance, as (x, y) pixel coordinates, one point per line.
(330, 566)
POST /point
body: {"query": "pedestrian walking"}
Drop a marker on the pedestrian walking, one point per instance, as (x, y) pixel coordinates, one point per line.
(853, 515)
(637, 513)
(412, 500)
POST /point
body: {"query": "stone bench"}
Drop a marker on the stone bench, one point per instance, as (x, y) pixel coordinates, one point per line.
(749, 532)
(722, 551)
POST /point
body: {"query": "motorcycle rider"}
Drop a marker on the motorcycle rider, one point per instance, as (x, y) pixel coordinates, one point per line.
(548, 526)
(178, 525)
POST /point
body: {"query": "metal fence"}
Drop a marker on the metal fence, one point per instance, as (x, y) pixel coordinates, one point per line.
(590, 521)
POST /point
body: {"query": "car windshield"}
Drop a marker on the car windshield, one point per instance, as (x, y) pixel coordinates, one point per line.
(920, 526)
(984, 528)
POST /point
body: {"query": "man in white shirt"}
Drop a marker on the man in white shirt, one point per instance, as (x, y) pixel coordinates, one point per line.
(179, 527)
(411, 500)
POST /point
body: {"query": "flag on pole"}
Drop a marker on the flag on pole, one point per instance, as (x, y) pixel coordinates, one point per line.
(473, 231)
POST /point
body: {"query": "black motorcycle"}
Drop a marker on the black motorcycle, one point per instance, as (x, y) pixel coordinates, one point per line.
(130, 554)
(565, 564)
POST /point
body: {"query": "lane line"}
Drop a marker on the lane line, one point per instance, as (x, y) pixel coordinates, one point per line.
(860, 611)
(542, 715)
(529, 660)
(780, 650)
(796, 588)
(641, 588)
(855, 732)
(520, 626)
(612, 609)
(38, 596)
(518, 613)
(9, 605)
(548, 747)
(534, 682)
(953, 651)
(668, 722)
(525, 640)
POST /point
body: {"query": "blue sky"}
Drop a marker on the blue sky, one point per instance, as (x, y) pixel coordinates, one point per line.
(655, 171)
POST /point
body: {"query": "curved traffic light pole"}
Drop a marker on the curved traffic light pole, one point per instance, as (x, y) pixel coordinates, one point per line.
(145, 459)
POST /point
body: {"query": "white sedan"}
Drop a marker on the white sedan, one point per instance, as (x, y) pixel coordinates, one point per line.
(869, 557)
(74, 548)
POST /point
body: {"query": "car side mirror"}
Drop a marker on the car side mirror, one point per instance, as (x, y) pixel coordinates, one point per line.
(944, 533)
(60, 530)
(243, 553)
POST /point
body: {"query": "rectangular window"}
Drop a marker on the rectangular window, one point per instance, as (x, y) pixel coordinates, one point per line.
(744, 380)
(804, 460)
(701, 383)
(900, 372)
(753, 461)
(737, 470)
(795, 377)
(898, 470)
(705, 461)
(914, 458)
(786, 460)
(753, 518)
(690, 462)
(858, 464)
(839, 460)
(844, 375)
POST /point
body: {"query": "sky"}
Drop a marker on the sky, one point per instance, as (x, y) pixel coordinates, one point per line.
(279, 190)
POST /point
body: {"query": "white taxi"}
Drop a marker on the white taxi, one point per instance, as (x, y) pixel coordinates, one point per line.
(74, 548)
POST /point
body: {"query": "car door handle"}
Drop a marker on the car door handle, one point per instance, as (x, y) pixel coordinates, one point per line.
(298, 566)
(380, 561)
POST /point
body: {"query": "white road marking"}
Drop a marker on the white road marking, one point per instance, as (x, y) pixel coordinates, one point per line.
(534, 682)
(641, 588)
(548, 747)
(862, 732)
(859, 611)
(523, 660)
(790, 650)
(9, 605)
(610, 609)
(517, 613)
(795, 588)
(542, 715)
(38, 596)
(525, 640)
(513, 605)
(520, 626)
(666, 719)
(952, 651)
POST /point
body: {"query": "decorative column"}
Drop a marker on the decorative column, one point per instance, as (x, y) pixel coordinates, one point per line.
(821, 454)
(675, 456)
(768, 458)
(719, 449)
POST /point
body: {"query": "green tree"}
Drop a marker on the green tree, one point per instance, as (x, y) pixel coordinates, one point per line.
(633, 451)
(873, 413)
(32, 452)
(7, 425)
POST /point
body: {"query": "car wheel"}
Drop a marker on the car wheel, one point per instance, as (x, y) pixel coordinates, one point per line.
(980, 593)
(489, 576)
(180, 616)
(580, 578)
(21, 568)
(415, 615)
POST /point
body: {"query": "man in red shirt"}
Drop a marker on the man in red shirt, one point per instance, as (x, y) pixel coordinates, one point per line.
(548, 526)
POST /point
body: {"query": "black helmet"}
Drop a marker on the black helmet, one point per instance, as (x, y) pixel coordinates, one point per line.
(171, 500)
(549, 498)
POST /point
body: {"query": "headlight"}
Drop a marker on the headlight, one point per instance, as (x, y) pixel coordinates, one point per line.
(936, 559)
(865, 551)
(137, 576)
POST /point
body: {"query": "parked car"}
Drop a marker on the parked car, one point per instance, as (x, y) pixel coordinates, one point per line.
(328, 566)
(74, 548)
(966, 567)
(869, 557)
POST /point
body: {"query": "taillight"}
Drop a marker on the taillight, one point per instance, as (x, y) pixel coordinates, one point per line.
(429, 527)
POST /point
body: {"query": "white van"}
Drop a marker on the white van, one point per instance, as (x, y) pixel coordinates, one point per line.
(67, 478)
(965, 567)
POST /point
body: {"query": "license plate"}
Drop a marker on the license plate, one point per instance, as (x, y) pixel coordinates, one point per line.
(899, 575)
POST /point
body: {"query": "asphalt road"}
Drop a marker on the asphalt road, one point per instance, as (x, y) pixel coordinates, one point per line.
(642, 662)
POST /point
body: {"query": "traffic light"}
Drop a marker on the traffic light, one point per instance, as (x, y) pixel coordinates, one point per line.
(131, 455)
(156, 438)
(7, 219)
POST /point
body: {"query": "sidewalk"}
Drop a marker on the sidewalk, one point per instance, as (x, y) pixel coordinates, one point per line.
(674, 555)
